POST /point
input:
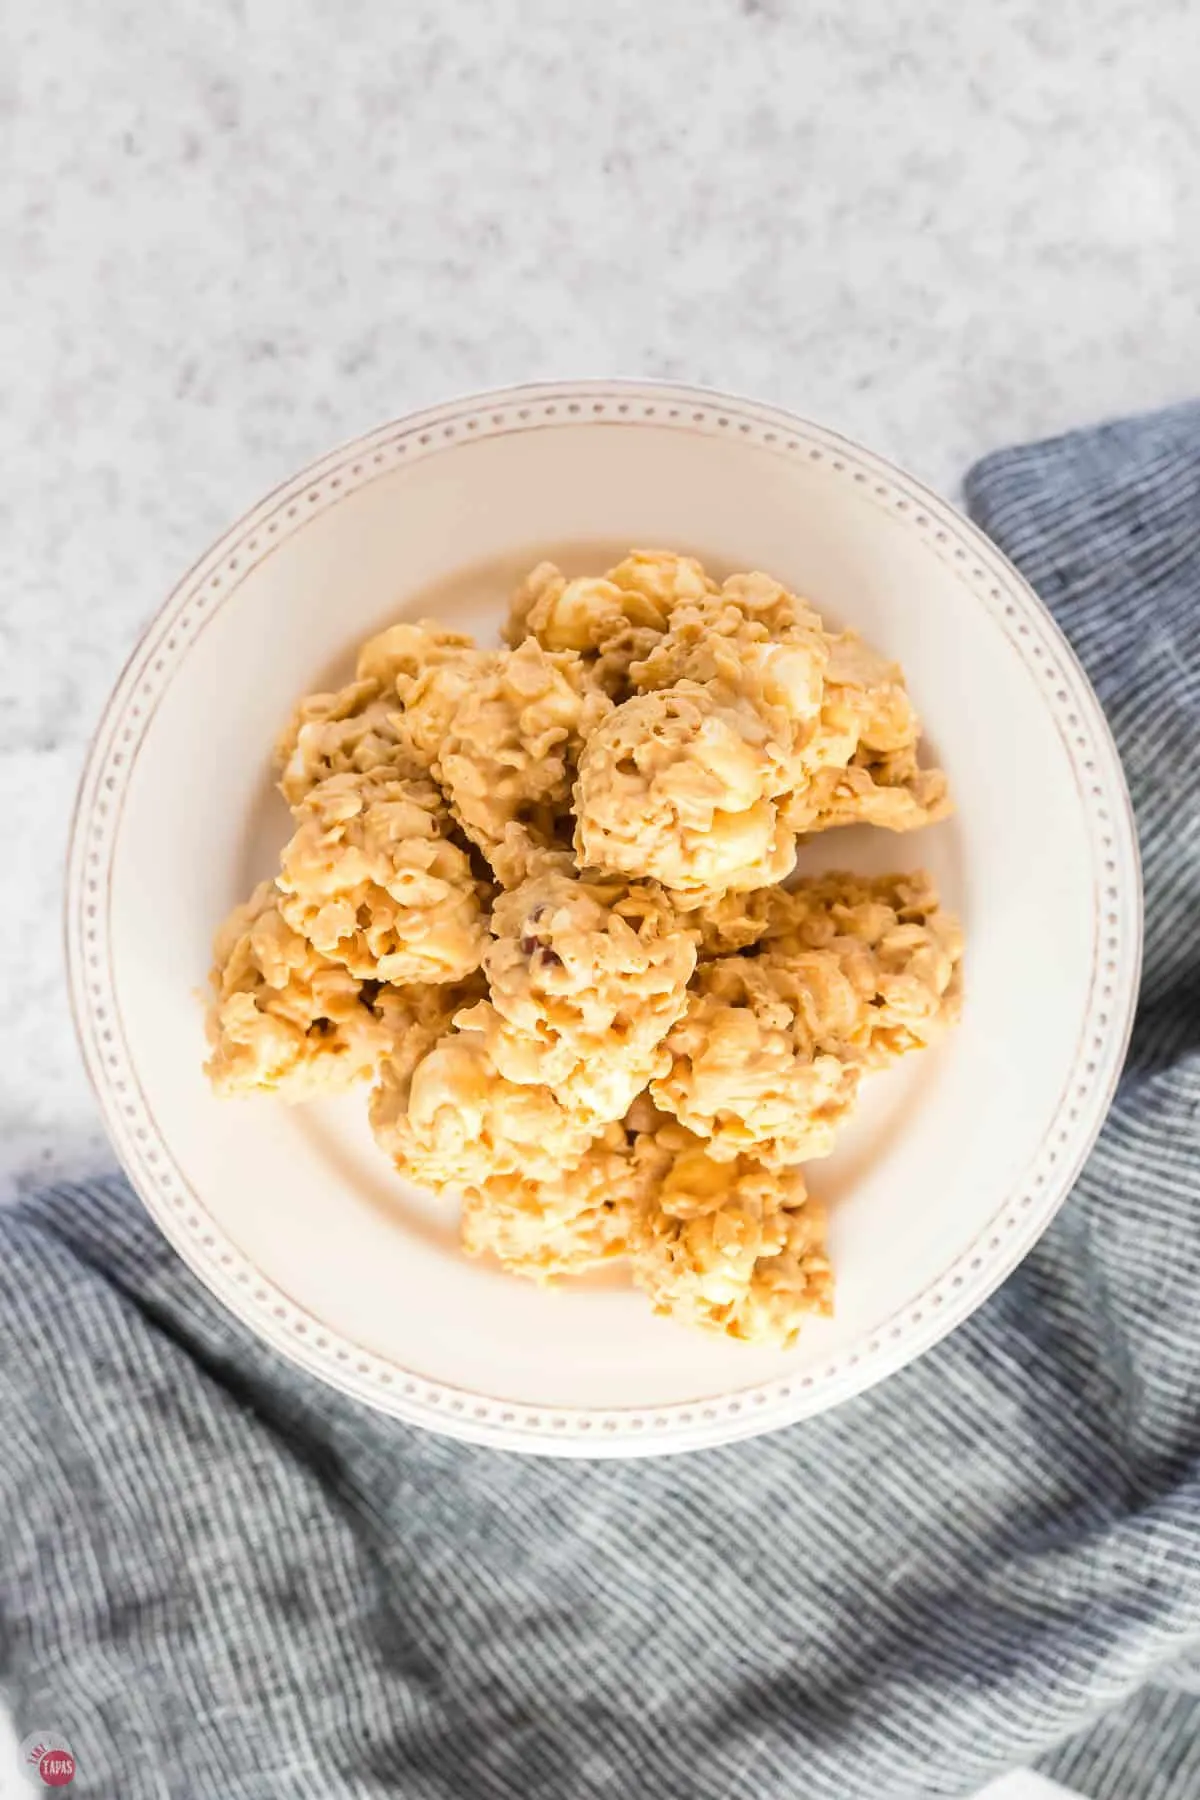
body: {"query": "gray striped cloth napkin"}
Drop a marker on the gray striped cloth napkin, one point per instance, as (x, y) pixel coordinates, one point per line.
(218, 1579)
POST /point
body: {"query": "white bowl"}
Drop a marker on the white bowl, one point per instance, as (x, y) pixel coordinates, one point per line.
(954, 1163)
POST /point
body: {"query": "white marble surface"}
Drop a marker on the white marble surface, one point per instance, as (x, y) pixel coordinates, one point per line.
(235, 233)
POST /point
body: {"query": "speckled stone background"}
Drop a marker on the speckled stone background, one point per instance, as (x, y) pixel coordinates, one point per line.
(235, 234)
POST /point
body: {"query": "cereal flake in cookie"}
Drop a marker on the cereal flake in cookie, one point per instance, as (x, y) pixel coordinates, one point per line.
(283, 1019)
(767, 1058)
(904, 948)
(612, 620)
(573, 1222)
(587, 968)
(753, 639)
(372, 879)
(454, 1121)
(681, 786)
(732, 1247)
(508, 759)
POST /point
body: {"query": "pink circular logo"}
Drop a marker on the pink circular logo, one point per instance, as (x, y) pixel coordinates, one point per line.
(57, 1768)
(47, 1760)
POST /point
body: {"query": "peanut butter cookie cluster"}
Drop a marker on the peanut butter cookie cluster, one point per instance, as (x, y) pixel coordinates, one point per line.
(543, 900)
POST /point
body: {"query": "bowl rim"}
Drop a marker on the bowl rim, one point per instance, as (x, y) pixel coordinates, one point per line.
(273, 1315)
